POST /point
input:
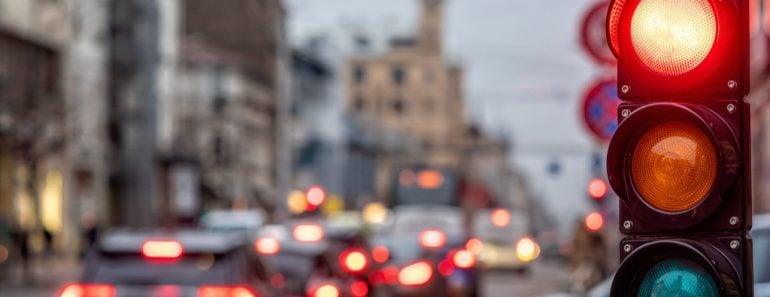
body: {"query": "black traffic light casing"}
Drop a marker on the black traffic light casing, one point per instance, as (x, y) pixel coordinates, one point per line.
(714, 232)
(724, 71)
(726, 208)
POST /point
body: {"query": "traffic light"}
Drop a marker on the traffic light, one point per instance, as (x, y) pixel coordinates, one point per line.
(597, 189)
(680, 159)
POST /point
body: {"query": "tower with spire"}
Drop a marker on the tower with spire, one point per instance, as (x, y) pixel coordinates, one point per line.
(431, 27)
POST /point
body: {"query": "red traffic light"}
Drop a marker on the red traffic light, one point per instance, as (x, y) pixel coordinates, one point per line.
(594, 222)
(693, 47)
(315, 197)
(597, 188)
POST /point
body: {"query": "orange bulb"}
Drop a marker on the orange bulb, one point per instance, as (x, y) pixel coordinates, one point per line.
(673, 37)
(594, 222)
(674, 166)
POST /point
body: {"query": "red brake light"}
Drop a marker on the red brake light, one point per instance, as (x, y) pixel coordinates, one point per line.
(432, 239)
(353, 260)
(87, 290)
(225, 291)
(359, 289)
(162, 249)
(501, 217)
(445, 267)
(308, 233)
(463, 259)
(327, 290)
(415, 274)
(380, 254)
(474, 245)
(267, 246)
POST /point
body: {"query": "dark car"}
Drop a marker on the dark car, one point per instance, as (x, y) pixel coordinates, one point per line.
(308, 263)
(440, 235)
(409, 269)
(180, 264)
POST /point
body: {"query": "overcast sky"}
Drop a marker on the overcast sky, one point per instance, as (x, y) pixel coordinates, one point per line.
(525, 75)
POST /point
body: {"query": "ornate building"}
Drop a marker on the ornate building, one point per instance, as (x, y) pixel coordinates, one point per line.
(410, 94)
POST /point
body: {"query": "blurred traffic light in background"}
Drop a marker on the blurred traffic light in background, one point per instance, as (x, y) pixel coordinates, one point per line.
(679, 160)
(597, 189)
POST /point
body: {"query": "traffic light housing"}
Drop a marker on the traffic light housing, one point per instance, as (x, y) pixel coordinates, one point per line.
(680, 159)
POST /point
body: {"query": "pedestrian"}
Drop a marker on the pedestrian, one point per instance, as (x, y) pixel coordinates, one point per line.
(20, 238)
(89, 233)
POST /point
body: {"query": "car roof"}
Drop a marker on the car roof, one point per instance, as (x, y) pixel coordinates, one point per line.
(193, 241)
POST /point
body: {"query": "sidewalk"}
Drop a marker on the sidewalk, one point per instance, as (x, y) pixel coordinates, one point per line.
(48, 275)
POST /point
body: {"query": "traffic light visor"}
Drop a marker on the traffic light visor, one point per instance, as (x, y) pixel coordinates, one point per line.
(674, 166)
(673, 37)
(677, 277)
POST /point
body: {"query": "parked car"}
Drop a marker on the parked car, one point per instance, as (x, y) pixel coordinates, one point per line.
(183, 263)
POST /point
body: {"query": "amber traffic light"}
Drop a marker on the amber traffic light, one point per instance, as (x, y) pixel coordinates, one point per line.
(680, 161)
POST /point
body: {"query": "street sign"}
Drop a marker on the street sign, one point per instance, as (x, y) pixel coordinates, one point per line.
(680, 160)
(599, 110)
(593, 37)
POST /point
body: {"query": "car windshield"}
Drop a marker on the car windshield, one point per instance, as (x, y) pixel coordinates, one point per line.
(401, 247)
(761, 256)
(484, 229)
(136, 270)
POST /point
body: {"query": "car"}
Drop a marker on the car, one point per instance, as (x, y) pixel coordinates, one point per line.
(179, 263)
(501, 240)
(439, 237)
(307, 261)
(407, 270)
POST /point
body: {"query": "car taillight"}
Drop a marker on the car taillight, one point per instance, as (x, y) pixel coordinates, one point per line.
(308, 233)
(225, 291)
(463, 259)
(380, 254)
(474, 245)
(359, 289)
(432, 239)
(415, 274)
(267, 246)
(353, 260)
(446, 267)
(327, 290)
(87, 290)
(162, 249)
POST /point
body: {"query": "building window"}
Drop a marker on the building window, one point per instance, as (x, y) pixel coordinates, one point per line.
(399, 75)
(428, 105)
(358, 103)
(399, 106)
(359, 74)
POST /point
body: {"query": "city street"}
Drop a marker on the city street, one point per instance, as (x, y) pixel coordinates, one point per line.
(544, 278)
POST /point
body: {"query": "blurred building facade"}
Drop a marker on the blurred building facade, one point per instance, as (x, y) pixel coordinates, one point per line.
(410, 94)
(102, 99)
(229, 88)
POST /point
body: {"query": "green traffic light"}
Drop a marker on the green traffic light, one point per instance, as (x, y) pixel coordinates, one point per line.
(677, 278)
